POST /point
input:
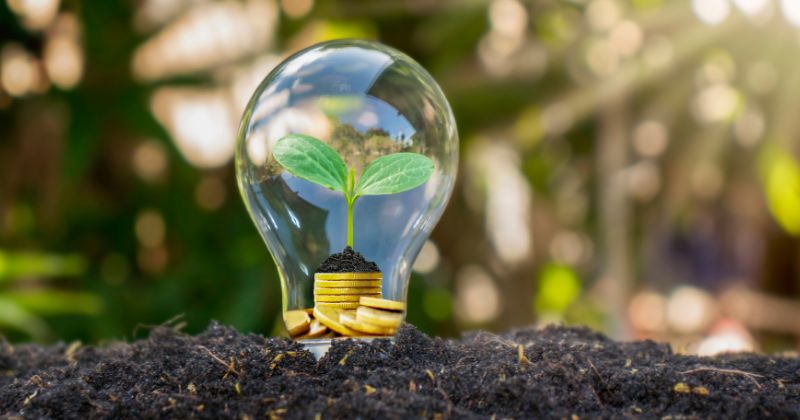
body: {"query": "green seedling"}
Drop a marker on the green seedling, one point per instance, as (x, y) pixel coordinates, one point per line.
(312, 160)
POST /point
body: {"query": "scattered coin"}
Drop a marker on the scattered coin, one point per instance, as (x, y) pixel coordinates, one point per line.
(348, 276)
(330, 318)
(347, 283)
(378, 303)
(351, 322)
(338, 298)
(315, 330)
(379, 317)
(297, 321)
(347, 291)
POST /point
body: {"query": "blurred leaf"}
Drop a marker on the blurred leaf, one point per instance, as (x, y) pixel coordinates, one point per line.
(53, 302)
(438, 304)
(14, 316)
(39, 265)
(559, 286)
(781, 174)
(334, 29)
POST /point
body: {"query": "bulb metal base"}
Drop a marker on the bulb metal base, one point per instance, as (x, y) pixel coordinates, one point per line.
(319, 346)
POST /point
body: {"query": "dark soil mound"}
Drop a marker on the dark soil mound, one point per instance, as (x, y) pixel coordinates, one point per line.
(552, 373)
(348, 261)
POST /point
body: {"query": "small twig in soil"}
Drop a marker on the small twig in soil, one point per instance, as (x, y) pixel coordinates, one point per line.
(430, 375)
(447, 398)
(594, 368)
(344, 359)
(230, 366)
(30, 398)
(171, 323)
(750, 375)
(69, 354)
(521, 355)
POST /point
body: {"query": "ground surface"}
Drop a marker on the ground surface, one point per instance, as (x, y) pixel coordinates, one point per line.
(558, 373)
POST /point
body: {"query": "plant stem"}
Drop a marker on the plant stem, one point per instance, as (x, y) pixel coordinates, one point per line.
(350, 222)
(351, 197)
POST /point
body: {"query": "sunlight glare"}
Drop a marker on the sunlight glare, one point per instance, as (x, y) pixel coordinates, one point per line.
(751, 7)
(791, 11)
(712, 12)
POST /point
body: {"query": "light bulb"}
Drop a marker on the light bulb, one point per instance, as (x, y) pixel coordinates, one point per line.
(361, 101)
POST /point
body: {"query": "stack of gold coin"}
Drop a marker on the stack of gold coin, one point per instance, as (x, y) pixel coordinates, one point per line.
(344, 290)
(346, 304)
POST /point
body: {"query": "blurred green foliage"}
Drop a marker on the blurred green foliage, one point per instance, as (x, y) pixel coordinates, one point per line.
(620, 137)
(781, 174)
(559, 286)
(24, 301)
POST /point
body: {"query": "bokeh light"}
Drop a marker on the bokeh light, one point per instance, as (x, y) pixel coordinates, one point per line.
(428, 258)
(210, 193)
(647, 312)
(629, 165)
(711, 12)
(690, 310)
(477, 298)
(791, 10)
(201, 122)
(34, 14)
(63, 53)
(149, 160)
(19, 72)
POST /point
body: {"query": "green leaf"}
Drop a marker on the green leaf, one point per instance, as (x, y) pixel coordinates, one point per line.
(310, 159)
(53, 302)
(14, 316)
(27, 265)
(395, 173)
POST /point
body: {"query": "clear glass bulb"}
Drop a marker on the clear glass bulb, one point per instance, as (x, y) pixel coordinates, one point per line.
(365, 100)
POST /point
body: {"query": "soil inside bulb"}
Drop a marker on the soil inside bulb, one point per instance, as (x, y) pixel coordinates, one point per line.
(348, 261)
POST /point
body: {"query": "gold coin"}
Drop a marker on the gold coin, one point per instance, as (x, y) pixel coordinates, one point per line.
(347, 283)
(349, 321)
(330, 318)
(315, 330)
(378, 317)
(339, 298)
(338, 305)
(348, 276)
(347, 291)
(297, 321)
(378, 303)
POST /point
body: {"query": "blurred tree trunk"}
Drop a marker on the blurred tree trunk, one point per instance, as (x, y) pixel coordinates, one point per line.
(614, 214)
(780, 274)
